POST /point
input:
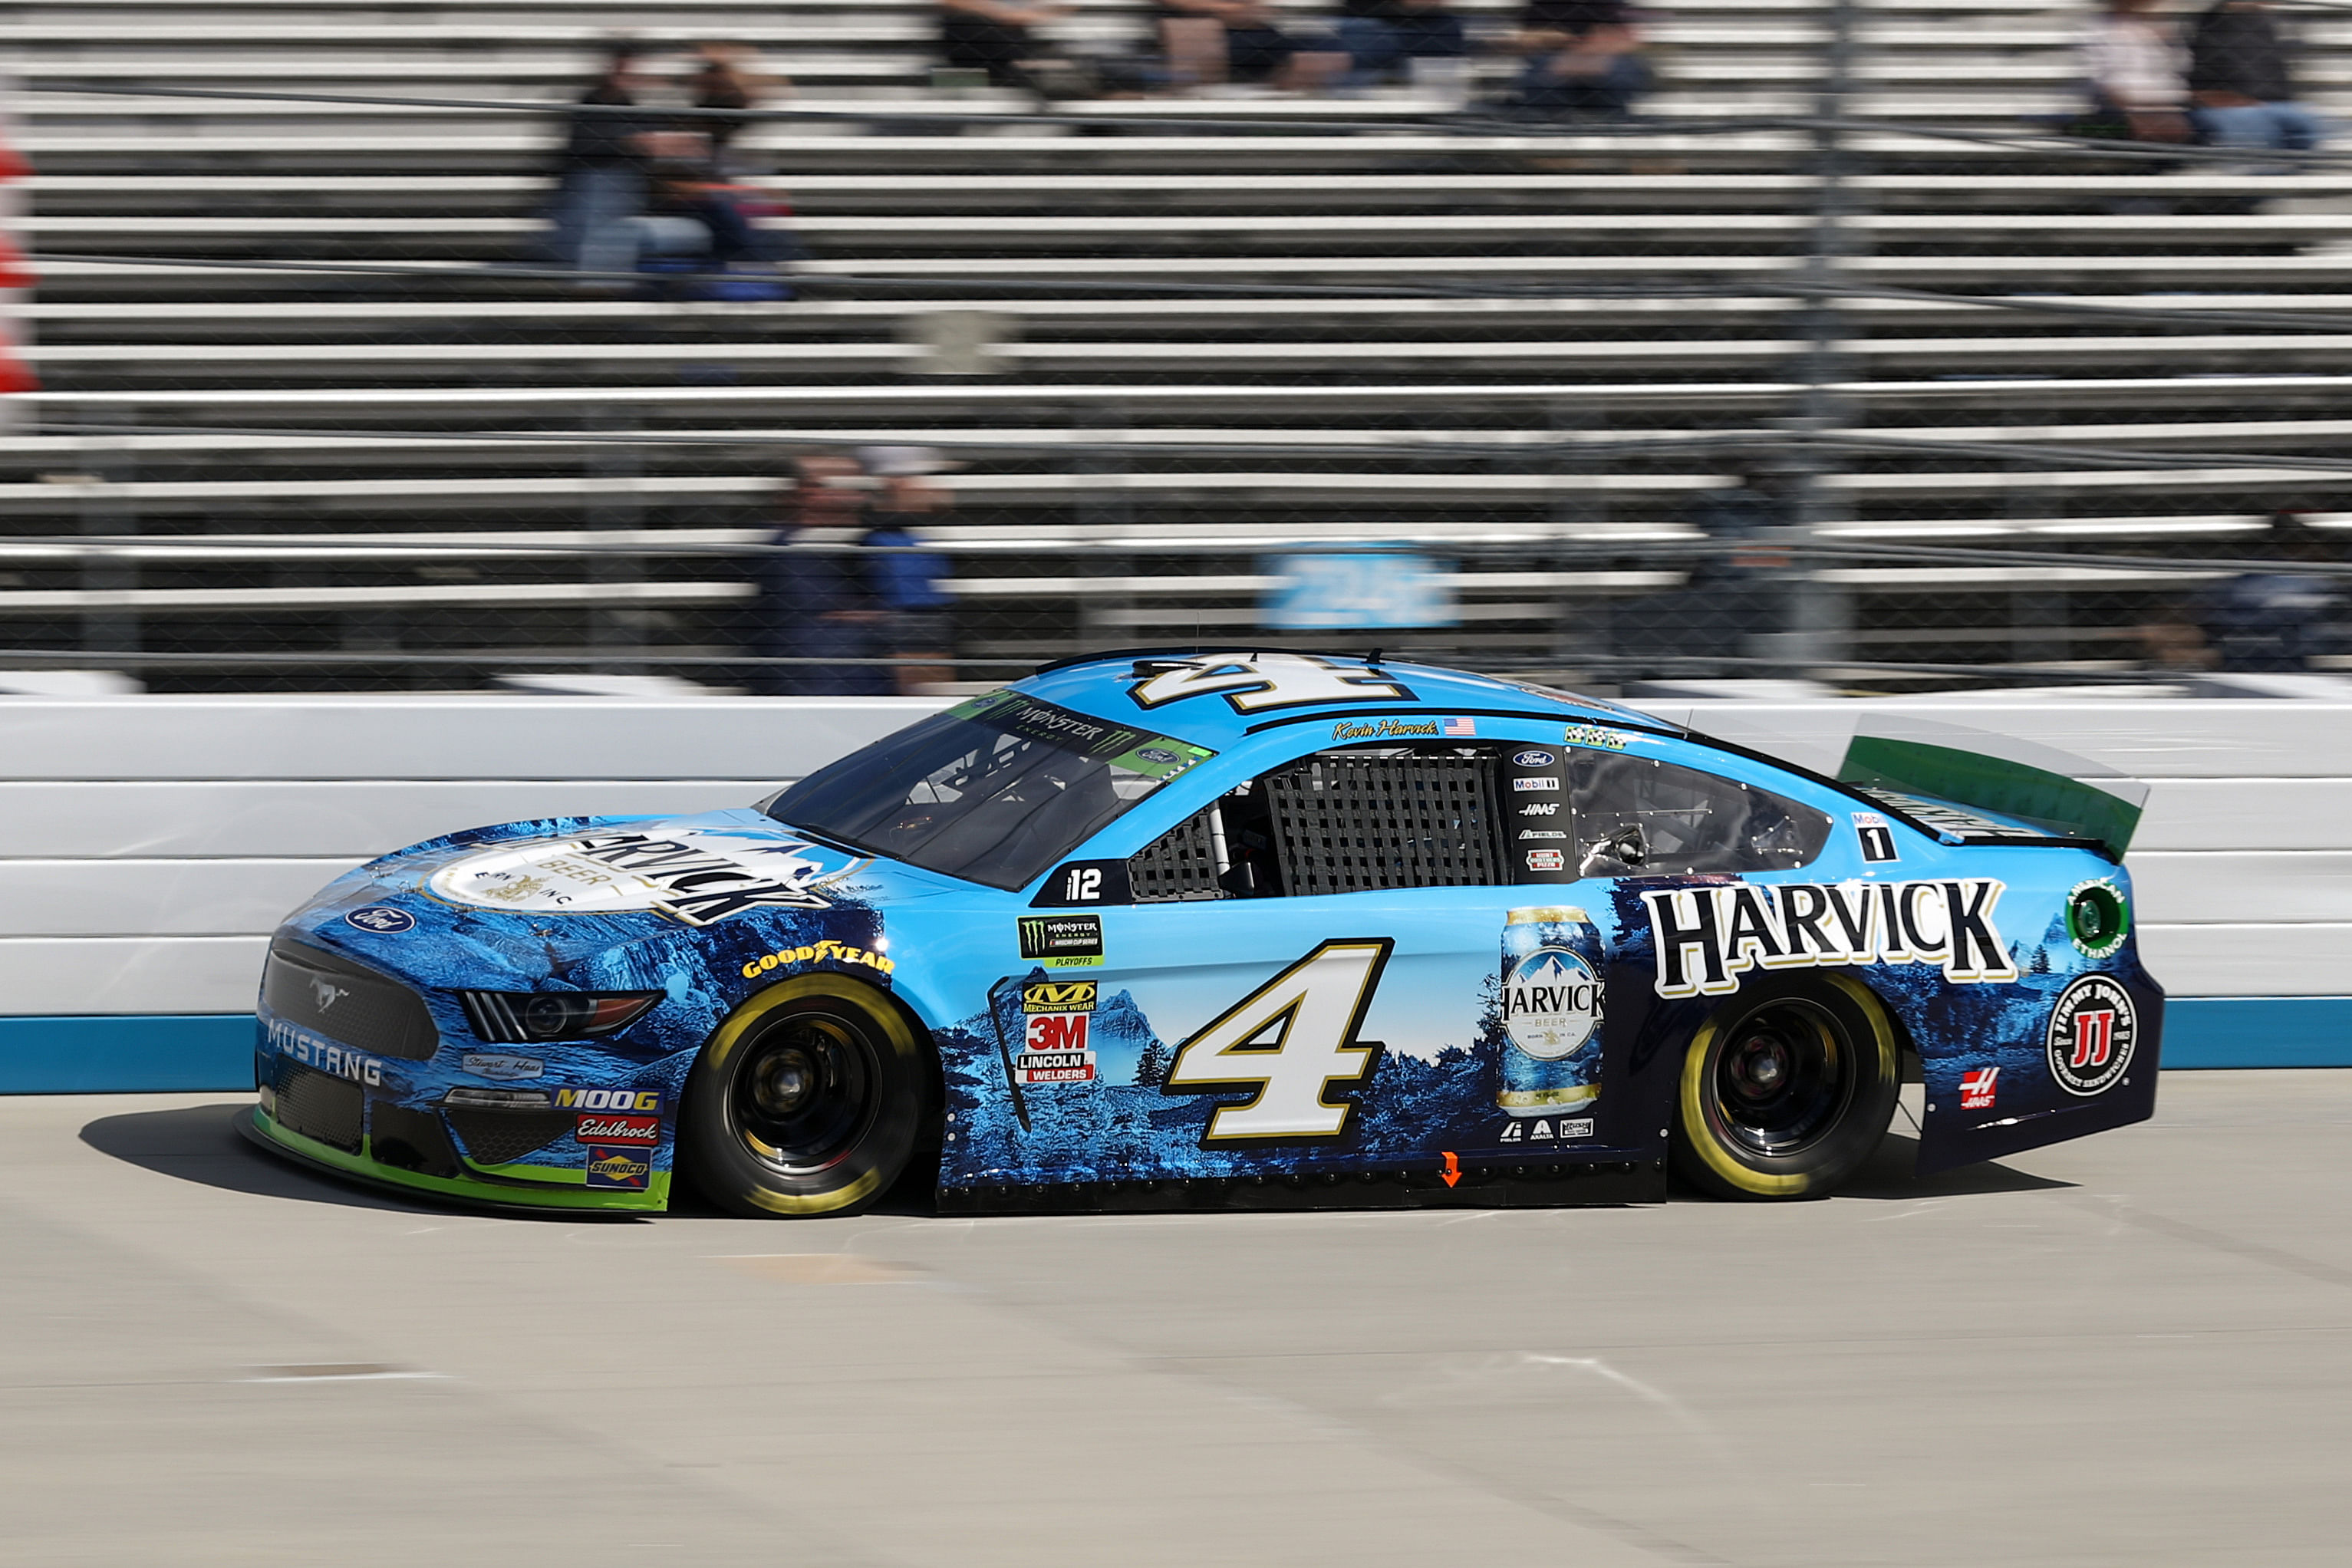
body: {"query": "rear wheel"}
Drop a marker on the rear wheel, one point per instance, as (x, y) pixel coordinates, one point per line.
(1786, 1090)
(807, 1101)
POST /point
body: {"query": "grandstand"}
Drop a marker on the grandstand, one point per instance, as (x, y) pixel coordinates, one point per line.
(309, 391)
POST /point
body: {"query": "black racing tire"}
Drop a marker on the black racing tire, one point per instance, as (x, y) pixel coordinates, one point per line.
(808, 1100)
(1786, 1090)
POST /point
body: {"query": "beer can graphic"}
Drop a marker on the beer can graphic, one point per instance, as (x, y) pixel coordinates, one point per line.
(1551, 1012)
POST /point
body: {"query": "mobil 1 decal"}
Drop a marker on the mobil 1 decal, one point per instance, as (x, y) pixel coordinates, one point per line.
(1707, 936)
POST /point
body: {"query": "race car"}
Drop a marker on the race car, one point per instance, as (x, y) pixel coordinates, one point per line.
(1233, 928)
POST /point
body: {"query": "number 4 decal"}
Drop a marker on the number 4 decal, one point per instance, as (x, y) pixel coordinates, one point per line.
(1311, 1011)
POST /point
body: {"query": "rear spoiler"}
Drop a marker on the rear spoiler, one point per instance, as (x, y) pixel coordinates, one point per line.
(1938, 776)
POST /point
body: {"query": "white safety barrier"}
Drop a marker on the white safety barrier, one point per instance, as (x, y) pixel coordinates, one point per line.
(148, 845)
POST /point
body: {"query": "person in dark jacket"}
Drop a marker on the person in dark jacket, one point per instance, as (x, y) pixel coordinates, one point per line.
(607, 153)
(1583, 58)
(1380, 34)
(2240, 80)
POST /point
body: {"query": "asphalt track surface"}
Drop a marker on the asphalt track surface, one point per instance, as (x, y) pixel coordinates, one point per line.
(2135, 1349)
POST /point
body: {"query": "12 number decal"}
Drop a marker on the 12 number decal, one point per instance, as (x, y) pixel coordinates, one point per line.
(1290, 1040)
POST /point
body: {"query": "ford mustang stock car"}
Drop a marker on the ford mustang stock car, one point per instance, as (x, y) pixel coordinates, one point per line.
(1233, 928)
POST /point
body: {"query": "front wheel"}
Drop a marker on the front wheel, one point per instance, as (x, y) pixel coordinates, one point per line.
(807, 1101)
(1786, 1090)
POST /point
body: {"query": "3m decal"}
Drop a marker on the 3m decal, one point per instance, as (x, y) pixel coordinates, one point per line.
(1253, 682)
(1876, 838)
(1059, 997)
(618, 1130)
(1063, 942)
(1592, 735)
(627, 1169)
(500, 1065)
(1054, 1049)
(1537, 784)
(692, 877)
(1532, 759)
(1311, 1011)
(1709, 937)
(641, 1099)
(2091, 1032)
(382, 918)
(820, 951)
(1979, 1088)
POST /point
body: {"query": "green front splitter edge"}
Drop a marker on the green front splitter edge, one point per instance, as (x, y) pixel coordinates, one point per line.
(325, 1157)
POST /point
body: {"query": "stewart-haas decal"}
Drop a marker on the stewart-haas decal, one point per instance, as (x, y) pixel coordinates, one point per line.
(1707, 936)
(692, 875)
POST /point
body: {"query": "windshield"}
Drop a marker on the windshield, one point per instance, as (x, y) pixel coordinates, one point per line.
(996, 790)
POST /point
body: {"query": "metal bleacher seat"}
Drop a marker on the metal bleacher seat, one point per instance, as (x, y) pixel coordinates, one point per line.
(1475, 385)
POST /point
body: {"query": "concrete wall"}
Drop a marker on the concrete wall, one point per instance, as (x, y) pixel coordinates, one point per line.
(148, 845)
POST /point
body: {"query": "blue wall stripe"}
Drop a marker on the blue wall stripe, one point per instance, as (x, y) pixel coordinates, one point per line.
(126, 1055)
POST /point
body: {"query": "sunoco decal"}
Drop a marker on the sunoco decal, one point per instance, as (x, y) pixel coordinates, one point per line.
(693, 876)
(1709, 937)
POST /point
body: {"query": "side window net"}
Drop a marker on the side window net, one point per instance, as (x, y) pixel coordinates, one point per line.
(1181, 863)
(1346, 823)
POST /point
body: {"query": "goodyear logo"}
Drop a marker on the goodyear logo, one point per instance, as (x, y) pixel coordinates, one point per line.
(643, 1099)
(1059, 997)
(835, 951)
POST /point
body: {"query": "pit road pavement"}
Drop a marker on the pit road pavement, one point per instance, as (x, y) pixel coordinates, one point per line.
(2132, 1349)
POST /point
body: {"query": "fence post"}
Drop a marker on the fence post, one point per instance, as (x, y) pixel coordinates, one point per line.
(1821, 619)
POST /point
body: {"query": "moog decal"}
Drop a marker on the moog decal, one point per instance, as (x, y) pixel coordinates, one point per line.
(1709, 937)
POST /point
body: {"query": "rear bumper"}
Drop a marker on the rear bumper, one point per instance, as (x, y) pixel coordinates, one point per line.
(564, 1189)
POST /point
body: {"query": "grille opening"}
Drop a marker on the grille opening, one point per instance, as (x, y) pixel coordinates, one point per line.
(347, 1003)
(502, 1137)
(316, 1105)
(412, 1141)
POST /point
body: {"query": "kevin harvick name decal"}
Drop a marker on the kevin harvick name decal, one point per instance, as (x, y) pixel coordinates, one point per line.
(1709, 937)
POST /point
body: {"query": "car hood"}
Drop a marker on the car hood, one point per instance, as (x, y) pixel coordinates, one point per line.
(565, 896)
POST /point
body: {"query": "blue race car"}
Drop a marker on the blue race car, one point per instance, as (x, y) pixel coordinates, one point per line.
(1231, 929)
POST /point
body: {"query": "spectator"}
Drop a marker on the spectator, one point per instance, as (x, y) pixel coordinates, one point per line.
(723, 84)
(1585, 57)
(603, 184)
(815, 604)
(2241, 80)
(2132, 70)
(1211, 42)
(1380, 34)
(993, 35)
(2283, 620)
(906, 583)
(702, 223)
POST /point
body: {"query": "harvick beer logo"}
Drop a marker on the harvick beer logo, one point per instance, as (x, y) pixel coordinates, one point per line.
(2091, 1032)
(1709, 937)
(693, 876)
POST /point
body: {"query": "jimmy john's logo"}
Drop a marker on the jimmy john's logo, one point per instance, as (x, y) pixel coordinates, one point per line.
(693, 876)
(1059, 997)
(1709, 937)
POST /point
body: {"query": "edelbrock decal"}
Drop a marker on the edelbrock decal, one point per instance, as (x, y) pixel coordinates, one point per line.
(1709, 937)
(690, 875)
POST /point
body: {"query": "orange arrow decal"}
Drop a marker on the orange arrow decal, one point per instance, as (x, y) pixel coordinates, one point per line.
(1453, 1172)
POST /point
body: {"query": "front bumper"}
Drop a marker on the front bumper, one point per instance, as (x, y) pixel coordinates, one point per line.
(259, 1127)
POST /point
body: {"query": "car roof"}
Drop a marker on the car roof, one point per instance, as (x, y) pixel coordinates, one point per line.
(1214, 696)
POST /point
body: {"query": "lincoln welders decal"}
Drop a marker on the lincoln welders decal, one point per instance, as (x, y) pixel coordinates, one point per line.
(1707, 936)
(694, 876)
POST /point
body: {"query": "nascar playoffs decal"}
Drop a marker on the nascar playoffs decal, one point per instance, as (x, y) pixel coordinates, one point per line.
(2091, 1032)
(692, 875)
(1709, 937)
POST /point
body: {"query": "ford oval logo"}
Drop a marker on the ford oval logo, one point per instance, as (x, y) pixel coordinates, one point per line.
(1532, 760)
(381, 920)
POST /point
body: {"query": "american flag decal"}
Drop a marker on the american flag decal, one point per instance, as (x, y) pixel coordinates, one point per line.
(1977, 1088)
(1460, 727)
